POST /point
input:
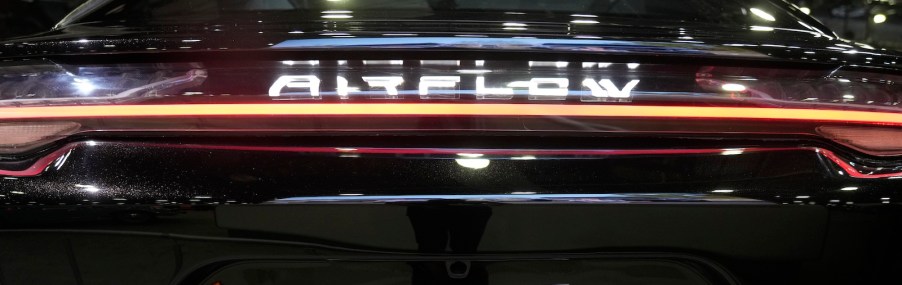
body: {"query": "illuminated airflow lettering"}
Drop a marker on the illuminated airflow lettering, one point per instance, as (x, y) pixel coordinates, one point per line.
(427, 82)
(451, 87)
(539, 88)
(309, 82)
(390, 83)
(343, 89)
(605, 89)
(492, 93)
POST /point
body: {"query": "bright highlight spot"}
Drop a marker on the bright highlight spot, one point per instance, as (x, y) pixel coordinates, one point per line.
(337, 16)
(584, 22)
(473, 163)
(88, 188)
(763, 15)
(733, 87)
(470, 155)
(473, 71)
(525, 157)
(84, 86)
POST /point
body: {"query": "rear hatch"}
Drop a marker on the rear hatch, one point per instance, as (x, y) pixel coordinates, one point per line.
(477, 150)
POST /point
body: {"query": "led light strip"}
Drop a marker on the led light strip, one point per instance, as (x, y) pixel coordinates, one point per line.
(429, 109)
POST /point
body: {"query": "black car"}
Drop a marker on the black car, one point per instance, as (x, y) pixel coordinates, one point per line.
(450, 142)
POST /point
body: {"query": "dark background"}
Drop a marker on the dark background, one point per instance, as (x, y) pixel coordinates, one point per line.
(851, 19)
(24, 17)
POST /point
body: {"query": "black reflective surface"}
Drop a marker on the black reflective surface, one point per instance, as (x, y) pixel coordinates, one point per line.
(111, 172)
(767, 207)
(800, 40)
(448, 199)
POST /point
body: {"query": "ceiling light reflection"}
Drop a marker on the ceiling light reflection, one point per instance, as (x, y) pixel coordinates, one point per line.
(473, 71)
(473, 163)
(584, 22)
(470, 155)
(733, 87)
(84, 86)
(337, 16)
(763, 15)
(525, 157)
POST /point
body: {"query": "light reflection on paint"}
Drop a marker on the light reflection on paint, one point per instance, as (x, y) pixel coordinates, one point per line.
(473, 163)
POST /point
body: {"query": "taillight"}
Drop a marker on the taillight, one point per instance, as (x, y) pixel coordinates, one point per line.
(45, 83)
(23, 136)
(875, 141)
(43, 101)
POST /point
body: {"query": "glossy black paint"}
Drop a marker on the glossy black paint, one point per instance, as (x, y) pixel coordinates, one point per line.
(257, 174)
(261, 31)
(786, 200)
(793, 215)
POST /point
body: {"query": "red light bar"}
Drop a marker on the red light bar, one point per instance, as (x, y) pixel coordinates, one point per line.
(874, 141)
(428, 109)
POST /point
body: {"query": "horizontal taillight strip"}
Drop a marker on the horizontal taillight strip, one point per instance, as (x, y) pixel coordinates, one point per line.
(419, 109)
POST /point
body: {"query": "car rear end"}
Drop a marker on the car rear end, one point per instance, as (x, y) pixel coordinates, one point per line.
(449, 142)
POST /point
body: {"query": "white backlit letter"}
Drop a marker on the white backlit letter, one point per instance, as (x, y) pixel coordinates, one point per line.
(491, 93)
(343, 89)
(537, 92)
(614, 92)
(290, 81)
(596, 89)
(390, 83)
(606, 89)
(437, 81)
